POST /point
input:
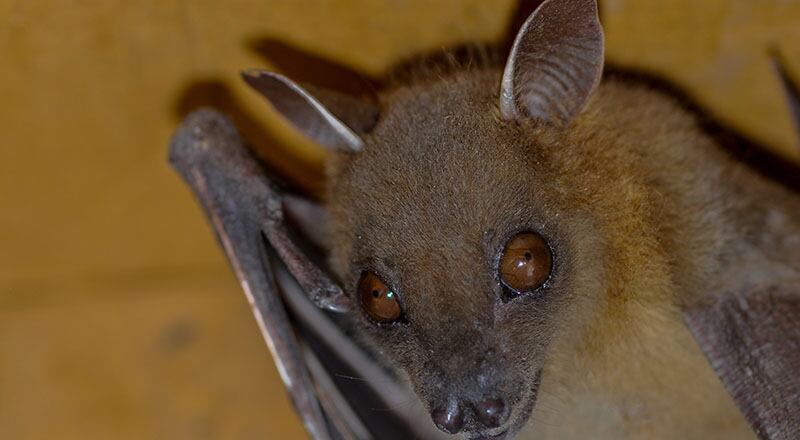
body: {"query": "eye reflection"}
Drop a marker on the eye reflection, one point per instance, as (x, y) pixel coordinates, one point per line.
(526, 262)
(378, 300)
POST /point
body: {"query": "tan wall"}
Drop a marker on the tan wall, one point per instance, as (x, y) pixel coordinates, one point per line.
(118, 315)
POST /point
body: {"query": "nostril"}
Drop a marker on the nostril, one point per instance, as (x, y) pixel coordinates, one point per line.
(449, 419)
(491, 412)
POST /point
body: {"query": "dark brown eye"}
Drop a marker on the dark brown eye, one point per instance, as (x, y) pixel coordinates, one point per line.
(377, 299)
(526, 262)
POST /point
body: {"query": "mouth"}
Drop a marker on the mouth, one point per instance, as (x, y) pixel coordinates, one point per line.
(500, 436)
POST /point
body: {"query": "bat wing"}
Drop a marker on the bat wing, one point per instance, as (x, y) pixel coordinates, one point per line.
(752, 340)
(338, 387)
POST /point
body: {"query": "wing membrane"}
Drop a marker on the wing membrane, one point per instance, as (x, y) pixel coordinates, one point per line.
(752, 341)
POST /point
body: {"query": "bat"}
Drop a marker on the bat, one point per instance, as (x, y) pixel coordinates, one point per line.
(531, 249)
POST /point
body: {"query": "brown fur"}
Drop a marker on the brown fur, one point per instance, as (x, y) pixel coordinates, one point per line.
(644, 212)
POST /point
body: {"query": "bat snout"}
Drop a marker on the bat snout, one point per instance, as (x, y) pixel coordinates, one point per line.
(475, 415)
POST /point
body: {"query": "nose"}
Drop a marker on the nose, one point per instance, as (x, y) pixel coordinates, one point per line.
(491, 413)
(449, 418)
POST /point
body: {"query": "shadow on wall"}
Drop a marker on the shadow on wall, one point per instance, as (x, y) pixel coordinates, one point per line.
(296, 64)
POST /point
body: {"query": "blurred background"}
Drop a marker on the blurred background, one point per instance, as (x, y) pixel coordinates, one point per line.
(119, 317)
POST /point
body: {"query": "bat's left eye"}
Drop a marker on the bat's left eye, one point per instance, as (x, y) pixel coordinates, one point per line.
(378, 300)
(526, 262)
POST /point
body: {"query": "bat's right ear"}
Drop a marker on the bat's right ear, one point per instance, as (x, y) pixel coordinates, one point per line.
(332, 119)
(555, 63)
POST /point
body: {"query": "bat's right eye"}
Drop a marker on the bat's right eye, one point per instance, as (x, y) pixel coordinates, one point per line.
(378, 300)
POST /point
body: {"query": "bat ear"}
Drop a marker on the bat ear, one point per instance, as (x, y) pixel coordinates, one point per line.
(555, 63)
(332, 119)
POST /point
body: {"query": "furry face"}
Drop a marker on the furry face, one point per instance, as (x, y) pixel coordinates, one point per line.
(433, 226)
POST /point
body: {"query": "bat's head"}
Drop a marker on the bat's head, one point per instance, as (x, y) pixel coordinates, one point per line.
(452, 224)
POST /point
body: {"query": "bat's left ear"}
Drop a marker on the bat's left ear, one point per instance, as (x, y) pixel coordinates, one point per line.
(555, 63)
(332, 119)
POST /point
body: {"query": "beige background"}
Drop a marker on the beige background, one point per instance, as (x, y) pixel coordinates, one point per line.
(118, 316)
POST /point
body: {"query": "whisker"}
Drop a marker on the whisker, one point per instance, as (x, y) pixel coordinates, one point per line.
(344, 376)
(395, 407)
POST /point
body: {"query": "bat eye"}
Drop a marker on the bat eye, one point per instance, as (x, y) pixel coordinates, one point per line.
(377, 299)
(526, 262)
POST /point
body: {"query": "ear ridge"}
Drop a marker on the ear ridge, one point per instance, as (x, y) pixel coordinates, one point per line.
(356, 114)
(304, 111)
(555, 63)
